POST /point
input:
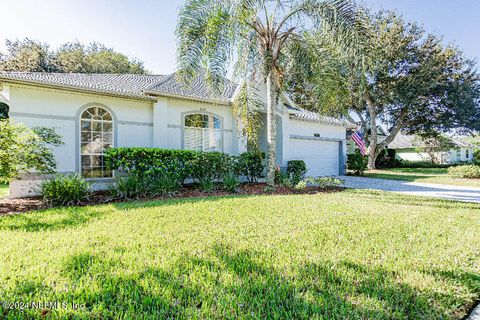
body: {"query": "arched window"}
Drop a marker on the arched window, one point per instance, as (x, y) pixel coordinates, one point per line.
(96, 135)
(202, 132)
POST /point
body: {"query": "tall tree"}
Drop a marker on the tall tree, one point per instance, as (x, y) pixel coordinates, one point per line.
(253, 36)
(34, 56)
(401, 77)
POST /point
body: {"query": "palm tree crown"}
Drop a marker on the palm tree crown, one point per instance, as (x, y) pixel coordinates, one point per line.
(262, 40)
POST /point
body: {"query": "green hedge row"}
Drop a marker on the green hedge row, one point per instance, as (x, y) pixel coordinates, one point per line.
(199, 166)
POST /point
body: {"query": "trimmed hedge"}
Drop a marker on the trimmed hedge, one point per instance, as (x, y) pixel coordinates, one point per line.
(202, 167)
(465, 172)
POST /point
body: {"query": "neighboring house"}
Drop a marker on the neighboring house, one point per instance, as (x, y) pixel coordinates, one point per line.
(405, 150)
(93, 112)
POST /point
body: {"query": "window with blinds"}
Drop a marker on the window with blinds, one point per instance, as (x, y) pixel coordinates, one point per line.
(202, 132)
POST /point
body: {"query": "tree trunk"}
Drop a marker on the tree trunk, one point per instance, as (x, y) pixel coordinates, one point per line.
(372, 148)
(271, 129)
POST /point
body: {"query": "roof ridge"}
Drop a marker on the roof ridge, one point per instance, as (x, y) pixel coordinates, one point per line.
(165, 78)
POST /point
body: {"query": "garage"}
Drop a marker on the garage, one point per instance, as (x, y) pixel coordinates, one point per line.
(321, 157)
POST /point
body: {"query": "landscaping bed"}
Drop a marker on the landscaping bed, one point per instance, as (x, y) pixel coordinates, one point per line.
(12, 206)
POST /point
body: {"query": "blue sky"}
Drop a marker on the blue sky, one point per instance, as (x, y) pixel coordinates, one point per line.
(145, 28)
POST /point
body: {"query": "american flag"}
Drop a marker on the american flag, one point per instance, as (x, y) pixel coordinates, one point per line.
(358, 139)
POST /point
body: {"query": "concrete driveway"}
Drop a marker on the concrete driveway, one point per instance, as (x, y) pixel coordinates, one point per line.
(458, 193)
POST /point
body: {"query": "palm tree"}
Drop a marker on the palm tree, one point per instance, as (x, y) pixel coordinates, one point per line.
(261, 40)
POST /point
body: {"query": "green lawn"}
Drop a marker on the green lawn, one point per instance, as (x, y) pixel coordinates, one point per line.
(426, 175)
(3, 190)
(344, 255)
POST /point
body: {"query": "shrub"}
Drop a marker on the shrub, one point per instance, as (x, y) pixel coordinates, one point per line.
(146, 161)
(230, 182)
(325, 182)
(476, 155)
(296, 170)
(357, 163)
(130, 187)
(65, 190)
(387, 159)
(165, 183)
(206, 185)
(252, 165)
(301, 185)
(281, 178)
(210, 166)
(23, 149)
(422, 164)
(465, 172)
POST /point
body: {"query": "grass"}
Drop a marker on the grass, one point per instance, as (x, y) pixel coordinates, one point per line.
(345, 255)
(425, 175)
(3, 190)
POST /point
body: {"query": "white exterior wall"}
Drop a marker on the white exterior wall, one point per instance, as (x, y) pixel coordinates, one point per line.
(325, 154)
(141, 124)
(137, 123)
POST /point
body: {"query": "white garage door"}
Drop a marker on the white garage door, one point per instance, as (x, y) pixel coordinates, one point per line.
(321, 157)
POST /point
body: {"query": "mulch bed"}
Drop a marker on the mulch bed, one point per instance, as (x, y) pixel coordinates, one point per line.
(14, 206)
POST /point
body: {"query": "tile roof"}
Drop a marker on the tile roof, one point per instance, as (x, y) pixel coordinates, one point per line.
(305, 115)
(118, 84)
(146, 86)
(197, 89)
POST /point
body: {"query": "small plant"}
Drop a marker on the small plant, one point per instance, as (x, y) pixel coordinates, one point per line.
(129, 187)
(252, 165)
(268, 189)
(206, 185)
(230, 182)
(296, 170)
(282, 179)
(301, 185)
(357, 163)
(325, 182)
(465, 172)
(166, 183)
(65, 190)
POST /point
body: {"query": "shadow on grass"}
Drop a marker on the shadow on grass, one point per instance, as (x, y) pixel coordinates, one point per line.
(229, 283)
(61, 218)
(56, 220)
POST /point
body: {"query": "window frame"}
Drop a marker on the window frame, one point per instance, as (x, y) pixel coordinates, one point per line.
(113, 122)
(209, 114)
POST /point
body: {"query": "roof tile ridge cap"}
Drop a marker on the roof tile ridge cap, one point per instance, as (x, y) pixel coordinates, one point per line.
(160, 82)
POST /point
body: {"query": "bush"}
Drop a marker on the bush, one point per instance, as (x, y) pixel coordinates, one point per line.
(281, 178)
(252, 165)
(230, 182)
(65, 190)
(357, 163)
(422, 164)
(387, 159)
(130, 187)
(210, 166)
(325, 182)
(465, 172)
(166, 183)
(146, 161)
(296, 170)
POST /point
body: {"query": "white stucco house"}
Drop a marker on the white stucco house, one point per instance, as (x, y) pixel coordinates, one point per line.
(95, 111)
(405, 150)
